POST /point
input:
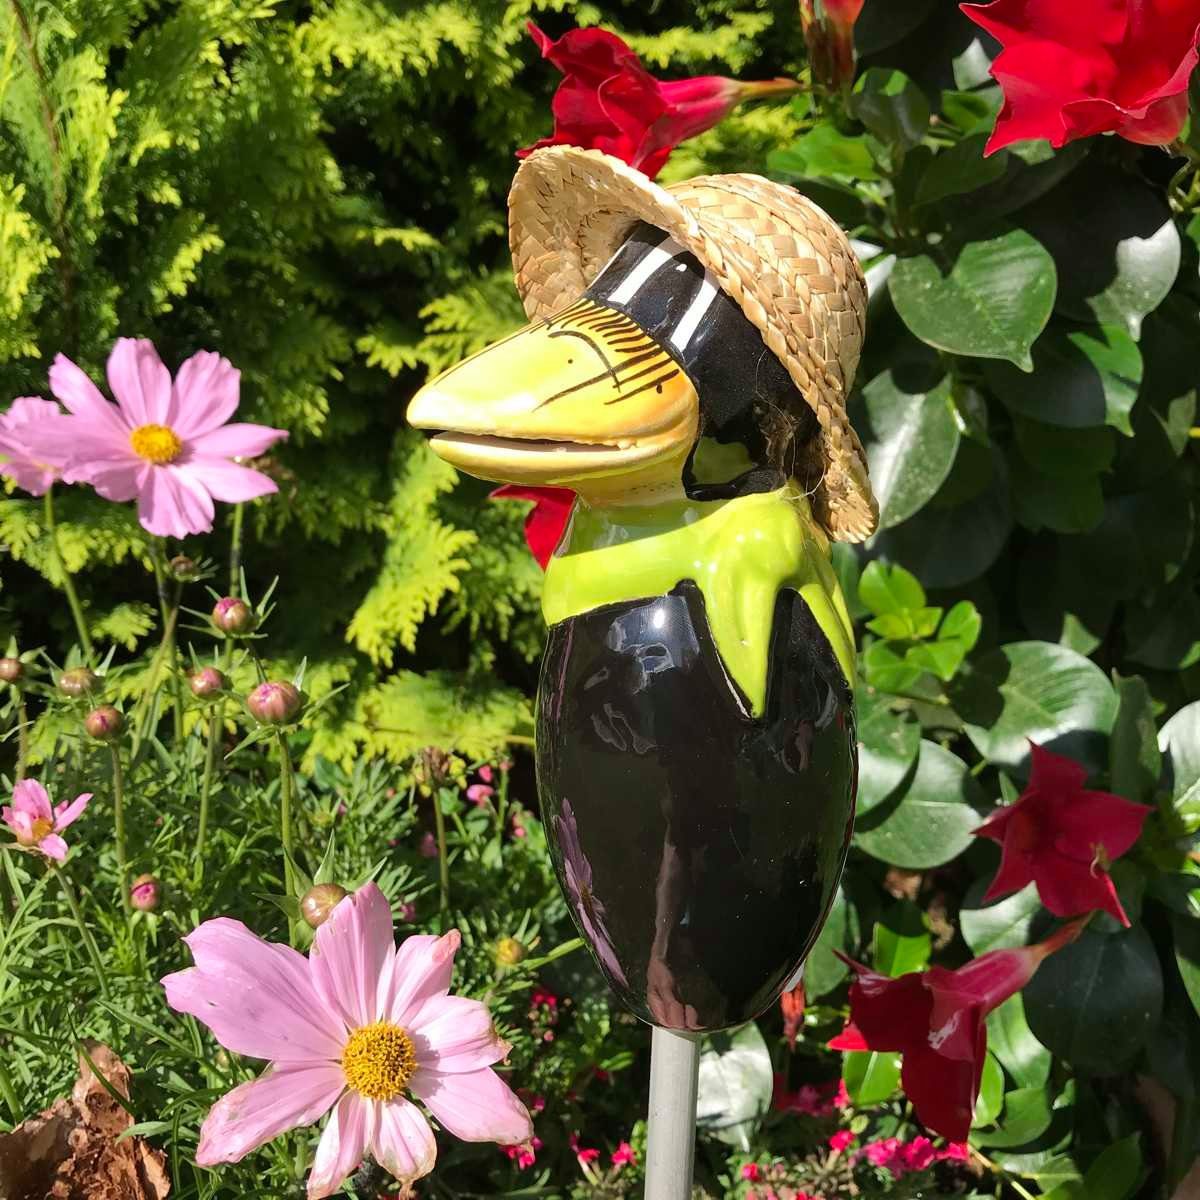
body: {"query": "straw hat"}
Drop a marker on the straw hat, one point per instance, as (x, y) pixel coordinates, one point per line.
(787, 264)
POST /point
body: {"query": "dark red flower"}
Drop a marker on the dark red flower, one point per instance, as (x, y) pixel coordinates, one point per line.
(935, 1019)
(1070, 70)
(608, 101)
(547, 518)
(1063, 838)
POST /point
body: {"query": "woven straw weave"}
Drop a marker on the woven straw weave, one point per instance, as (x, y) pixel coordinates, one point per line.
(787, 264)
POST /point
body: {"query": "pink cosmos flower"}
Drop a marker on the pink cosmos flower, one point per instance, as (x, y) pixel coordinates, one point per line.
(623, 1155)
(164, 443)
(36, 824)
(33, 472)
(348, 1030)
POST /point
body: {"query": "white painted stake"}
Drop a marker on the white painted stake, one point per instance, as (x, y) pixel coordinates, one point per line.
(671, 1128)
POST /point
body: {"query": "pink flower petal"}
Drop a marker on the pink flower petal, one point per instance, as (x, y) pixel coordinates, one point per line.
(227, 481)
(342, 1146)
(81, 397)
(236, 441)
(255, 996)
(67, 814)
(30, 797)
(350, 953)
(402, 1142)
(452, 1034)
(171, 505)
(421, 970)
(112, 480)
(206, 393)
(477, 1106)
(281, 1098)
(52, 846)
(140, 382)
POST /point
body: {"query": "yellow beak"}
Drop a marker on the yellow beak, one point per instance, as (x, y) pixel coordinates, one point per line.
(578, 398)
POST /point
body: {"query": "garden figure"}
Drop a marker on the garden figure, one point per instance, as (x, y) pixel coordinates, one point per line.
(685, 374)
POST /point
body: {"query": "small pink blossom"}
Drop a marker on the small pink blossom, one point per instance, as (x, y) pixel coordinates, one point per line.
(36, 824)
(623, 1155)
(955, 1152)
(842, 1140)
(518, 827)
(349, 1030)
(33, 471)
(585, 1154)
(428, 847)
(752, 1172)
(485, 773)
(882, 1153)
(917, 1155)
(480, 793)
(841, 1098)
(165, 443)
(524, 1155)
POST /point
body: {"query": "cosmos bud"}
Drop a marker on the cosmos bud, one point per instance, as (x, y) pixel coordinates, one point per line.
(231, 615)
(319, 901)
(105, 723)
(508, 951)
(77, 682)
(145, 893)
(274, 703)
(183, 569)
(11, 670)
(208, 681)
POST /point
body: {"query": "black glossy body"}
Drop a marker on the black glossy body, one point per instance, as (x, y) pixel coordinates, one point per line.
(698, 848)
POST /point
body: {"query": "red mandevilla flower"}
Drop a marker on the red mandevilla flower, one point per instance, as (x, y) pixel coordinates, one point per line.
(1070, 71)
(1063, 838)
(608, 101)
(935, 1018)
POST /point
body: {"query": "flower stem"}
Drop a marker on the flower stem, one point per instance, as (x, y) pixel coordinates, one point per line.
(22, 738)
(439, 821)
(210, 765)
(118, 784)
(68, 584)
(235, 550)
(286, 786)
(145, 704)
(169, 607)
(85, 933)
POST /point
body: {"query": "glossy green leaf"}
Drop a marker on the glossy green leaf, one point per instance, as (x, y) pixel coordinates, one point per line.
(992, 301)
(1117, 1171)
(991, 1092)
(930, 820)
(1002, 925)
(887, 668)
(1036, 691)
(871, 1076)
(1081, 378)
(911, 437)
(1027, 1115)
(1094, 1002)
(1056, 451)
(889, 589)
(1186, 934)
(1179, 742)
(960, 168)
(883, 24)
(887, 751)
(1064, 504)
(1134, 758)
(825, 151)
(901, 941)
(823, 970)
(735, 1085)
(1013, 1043)
(891, 106)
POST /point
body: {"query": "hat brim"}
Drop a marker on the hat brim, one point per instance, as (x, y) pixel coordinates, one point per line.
(570, 210)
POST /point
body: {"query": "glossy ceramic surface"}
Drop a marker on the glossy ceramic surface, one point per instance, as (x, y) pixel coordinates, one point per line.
(698, 847)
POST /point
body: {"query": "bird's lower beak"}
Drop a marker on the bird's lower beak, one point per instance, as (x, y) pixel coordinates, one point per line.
(582, 396)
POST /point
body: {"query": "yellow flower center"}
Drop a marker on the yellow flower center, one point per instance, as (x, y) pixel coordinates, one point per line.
(379, 1060)
(156, 443)
(41, 828)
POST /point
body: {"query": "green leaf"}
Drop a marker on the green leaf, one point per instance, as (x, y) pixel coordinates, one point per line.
(1186, 931)
(826, 151)
(1027, 1115)
(889, 589)
(1013, 1043)
(901, 941)
(930, 820)
(1035, 691)
(991, 1092)
(1081, 378)
(1055, 451)
(1004, 925)
(735, 1085)
(911, 437)
(1065, 504)
(891, 106)
(887, 669)
(887, 751)
(1179, 742)
(1117, 1170)
(1135, 761)
(883, 24)
(871, 1076)
(823, 970)
(991, 303)
(959, 169)
(1094, 1002)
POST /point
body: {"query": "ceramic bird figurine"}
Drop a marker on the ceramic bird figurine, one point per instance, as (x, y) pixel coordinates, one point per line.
(685, 374)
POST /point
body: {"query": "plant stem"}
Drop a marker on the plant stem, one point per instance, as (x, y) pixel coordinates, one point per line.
(439, 821)
(210, 766)
(84, 932)
(22, 737)
(118, 783)
(145, 704)
(235, 550)
(169, 607)
(286, 785)
(68, 585)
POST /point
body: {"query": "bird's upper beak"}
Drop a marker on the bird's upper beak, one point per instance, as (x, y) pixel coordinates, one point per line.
(581, 397)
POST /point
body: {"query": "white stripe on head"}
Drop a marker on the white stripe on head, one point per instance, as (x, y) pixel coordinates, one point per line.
(695, 312)
(655, 258)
